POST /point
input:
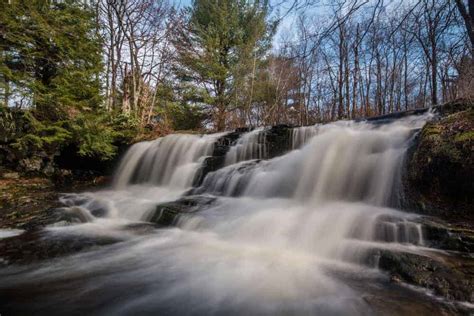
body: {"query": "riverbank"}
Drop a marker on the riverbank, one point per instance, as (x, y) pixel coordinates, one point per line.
(30, 202)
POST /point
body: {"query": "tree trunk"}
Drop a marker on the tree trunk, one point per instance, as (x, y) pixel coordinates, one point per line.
(434, 77)
(468, 17)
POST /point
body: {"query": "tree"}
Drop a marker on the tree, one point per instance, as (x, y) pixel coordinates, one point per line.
(216, 44)
(468, 16)
(50, 56)
(431, 22)
(136, 53)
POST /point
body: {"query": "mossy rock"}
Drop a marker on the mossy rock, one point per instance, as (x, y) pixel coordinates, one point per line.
(440, 171)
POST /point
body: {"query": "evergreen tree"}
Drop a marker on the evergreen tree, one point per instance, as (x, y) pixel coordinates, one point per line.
(216, 42)
(50, 55)
(51, 62)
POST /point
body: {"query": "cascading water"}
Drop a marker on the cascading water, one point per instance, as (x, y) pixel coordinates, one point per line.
(170, 161)
(347, 161)
(250, 146)
(301, 135)
(288, 235)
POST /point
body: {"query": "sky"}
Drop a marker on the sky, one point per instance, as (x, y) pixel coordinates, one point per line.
(322, 7)
(284, 26)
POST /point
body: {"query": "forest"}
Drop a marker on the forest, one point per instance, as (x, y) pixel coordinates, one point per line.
(97, 73)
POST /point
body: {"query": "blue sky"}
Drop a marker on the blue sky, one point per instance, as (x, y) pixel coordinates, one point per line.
(284, 26)
(319, 9)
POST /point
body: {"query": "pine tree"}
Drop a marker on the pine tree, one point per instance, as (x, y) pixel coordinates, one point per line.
(50, 55)
(51, 62)
(217, 41)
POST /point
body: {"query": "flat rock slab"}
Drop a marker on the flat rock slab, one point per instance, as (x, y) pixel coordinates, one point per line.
(39, 245)
(448, 276)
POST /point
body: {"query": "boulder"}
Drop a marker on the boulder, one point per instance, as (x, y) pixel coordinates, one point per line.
(440, 168)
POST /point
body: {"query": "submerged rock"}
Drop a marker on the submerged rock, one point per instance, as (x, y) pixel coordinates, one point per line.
(168, 213)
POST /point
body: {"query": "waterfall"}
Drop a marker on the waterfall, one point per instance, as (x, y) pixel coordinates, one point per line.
(301, 135)
(251, 145)
(172, 160)
(286, 235)
(345, 161)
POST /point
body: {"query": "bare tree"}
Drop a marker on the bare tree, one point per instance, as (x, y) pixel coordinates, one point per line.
(136, 52)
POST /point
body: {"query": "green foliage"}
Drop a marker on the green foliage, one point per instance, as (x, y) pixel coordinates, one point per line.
(51, 65)
(41, 136)
(50, 54)
(9, 128)
(94, 136)
(218, 44)
(97, 134)
(185, 117)
(126, 126)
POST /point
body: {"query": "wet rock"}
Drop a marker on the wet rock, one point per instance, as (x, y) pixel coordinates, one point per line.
(446, 276)
(229, 181)
(140, 228)
(38, 245)
(168, 213)
(216, 161)
(97, 208)
(31, 203)
(75, 214)
(441, 109)
(223, 143)
(278, 140)
(210, 164)
(448, 237)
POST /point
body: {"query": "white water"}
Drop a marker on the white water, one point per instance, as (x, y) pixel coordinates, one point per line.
(250, 146)
(169, 161)
(285, 236)
(346, 161)
(301, 135)
(5, 233)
